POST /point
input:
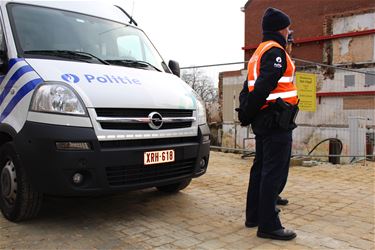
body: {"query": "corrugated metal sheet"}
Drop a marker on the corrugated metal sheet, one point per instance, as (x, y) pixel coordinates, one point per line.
(232, 86)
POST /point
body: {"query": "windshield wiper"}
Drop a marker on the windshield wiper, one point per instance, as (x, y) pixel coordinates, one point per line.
(133, 63)
(71, 54)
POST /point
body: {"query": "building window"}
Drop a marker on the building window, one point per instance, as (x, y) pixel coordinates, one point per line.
(349, 80)
(370, 79)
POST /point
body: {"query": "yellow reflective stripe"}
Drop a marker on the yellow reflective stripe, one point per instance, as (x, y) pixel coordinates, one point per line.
(284, 79)
(282, 95)
(250, 83)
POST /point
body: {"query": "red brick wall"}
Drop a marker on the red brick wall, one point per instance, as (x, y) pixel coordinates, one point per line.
(309, 18)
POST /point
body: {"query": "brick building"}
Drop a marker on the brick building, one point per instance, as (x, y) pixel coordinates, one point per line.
(313, 25)
(340, 33)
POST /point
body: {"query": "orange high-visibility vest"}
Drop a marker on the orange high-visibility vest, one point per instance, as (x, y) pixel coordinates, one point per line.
(285, 89)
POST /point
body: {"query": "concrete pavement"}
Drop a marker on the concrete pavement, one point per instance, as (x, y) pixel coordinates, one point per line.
(330, 207)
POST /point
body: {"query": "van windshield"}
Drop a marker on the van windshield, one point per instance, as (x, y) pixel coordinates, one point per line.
(56, 34)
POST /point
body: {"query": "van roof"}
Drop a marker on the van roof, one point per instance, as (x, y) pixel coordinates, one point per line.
(94, 8)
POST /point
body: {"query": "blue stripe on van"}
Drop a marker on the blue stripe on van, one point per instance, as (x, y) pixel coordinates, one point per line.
(18, 97)
(15, 77)
(11, 64)
(14, 61)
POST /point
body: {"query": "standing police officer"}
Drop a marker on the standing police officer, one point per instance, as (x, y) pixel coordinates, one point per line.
(270, 105)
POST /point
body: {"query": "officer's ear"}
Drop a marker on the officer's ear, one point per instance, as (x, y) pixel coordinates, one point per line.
(285, 33)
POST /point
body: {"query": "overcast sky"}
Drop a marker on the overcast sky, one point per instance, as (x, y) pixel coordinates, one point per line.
(193, 32)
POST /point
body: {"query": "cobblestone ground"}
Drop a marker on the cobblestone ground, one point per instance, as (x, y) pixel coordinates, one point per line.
(330, 208)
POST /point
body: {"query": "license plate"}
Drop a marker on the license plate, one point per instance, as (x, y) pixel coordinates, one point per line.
(157, 157)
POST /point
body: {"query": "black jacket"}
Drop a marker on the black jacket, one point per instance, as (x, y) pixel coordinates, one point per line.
(270, 73)
(263, 121)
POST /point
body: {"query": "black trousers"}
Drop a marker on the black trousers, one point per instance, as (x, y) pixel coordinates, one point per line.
(267, 176)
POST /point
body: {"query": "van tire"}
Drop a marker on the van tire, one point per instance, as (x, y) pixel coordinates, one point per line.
(175, 187)
(18, 200)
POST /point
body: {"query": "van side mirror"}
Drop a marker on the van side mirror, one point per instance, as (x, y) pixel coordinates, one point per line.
(175, 67)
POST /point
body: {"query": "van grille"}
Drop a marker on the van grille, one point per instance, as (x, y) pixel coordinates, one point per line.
(143, 126)
(116, 112)
(148, 143)
(142, 113)
(139, 174)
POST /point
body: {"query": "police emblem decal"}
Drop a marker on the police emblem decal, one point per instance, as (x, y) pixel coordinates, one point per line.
(277, 64)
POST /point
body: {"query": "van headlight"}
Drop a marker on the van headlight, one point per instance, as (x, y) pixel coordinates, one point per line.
(57, 98)
(201, 112)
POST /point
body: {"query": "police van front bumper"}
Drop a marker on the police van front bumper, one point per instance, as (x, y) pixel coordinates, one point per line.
(95, 167)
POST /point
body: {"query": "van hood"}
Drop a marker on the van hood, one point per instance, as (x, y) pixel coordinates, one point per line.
(108, 86)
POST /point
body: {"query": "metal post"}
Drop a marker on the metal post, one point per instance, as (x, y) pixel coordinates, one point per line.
(235, 135)
(357, 136)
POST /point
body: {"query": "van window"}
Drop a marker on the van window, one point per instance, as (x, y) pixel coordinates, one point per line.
(45, 29)
(129, 47)
(2, 40)
(3, 65)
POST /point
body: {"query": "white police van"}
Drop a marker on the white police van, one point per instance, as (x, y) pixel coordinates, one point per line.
(88, 106)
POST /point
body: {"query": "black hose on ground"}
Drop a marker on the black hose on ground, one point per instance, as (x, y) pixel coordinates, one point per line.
(329, 139)
(252, 154)
(248, 154)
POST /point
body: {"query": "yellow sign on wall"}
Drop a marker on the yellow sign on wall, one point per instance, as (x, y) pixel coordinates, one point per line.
(306, 87)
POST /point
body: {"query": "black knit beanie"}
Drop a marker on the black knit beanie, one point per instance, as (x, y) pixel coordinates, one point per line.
(275, 20)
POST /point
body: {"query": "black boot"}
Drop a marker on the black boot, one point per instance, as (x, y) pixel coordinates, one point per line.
(281, 234)
(281, 201)
(251, 224)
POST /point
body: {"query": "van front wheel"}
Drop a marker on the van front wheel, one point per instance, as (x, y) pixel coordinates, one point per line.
(18, 199)
(175, 187)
